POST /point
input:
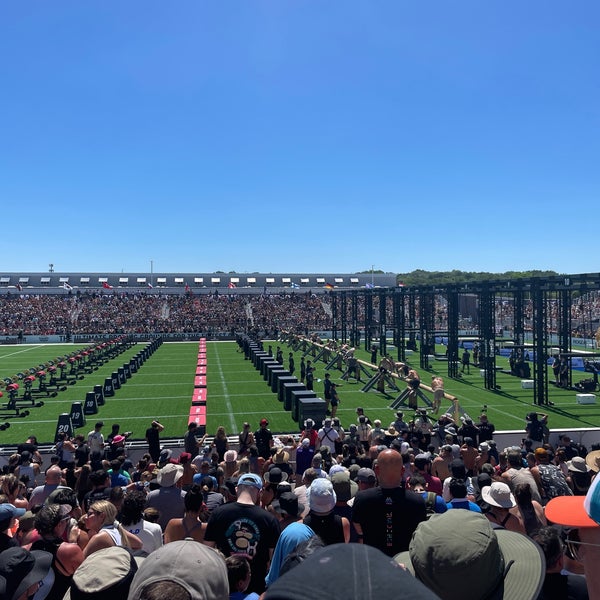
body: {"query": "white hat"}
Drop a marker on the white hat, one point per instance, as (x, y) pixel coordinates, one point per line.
(498, 494)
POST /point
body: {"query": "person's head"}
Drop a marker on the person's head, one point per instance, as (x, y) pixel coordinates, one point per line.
(458, 488)
(172, 571)
(389, 468)
(192, 425)
(422, 463)
(264, 423)
(100, 513)
(99, 478)
(460, 548)
(251, 484)
(366, 478)
(53, 475)
(238, 573)
(22, 571)
(313, 570)
(549, 540)
(107, 573)
(99, 425)
(8, 514)
(194, 499)
(515, 459)
(309, 476)
(52, 519)
(132, 507)
(417, 483)
(321, 496)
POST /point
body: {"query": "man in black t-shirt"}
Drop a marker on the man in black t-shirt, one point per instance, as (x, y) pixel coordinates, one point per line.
(153, 440)
(386, 516)
(243, 529)
(263, 438)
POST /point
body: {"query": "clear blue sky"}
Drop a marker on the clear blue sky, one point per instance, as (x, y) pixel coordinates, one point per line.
(298, 136)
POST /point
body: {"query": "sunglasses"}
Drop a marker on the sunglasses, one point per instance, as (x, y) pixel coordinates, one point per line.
(573, 544)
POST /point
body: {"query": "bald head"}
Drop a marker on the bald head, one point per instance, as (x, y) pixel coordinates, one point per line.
(53, 475)
(389, 468)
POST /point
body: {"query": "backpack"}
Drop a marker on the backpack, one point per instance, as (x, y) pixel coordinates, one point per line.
(430, 503)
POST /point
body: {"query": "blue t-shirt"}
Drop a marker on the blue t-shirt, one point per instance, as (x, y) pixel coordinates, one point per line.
(464, 504)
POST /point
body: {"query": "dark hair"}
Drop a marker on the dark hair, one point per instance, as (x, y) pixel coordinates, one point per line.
(47, 519)
(159, 590)
(132, 509)
(238, 568)
(417, 479)
(65, 496)
(458, 488)
(98, 477)
(194, 499)
(549, 540)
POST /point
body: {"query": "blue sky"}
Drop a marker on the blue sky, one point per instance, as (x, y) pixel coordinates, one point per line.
(299, 136)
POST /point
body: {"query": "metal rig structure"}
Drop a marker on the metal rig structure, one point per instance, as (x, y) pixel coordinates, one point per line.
(410, 314)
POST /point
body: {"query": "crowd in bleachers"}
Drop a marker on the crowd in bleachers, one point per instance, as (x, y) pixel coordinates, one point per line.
(137, 312)
(269, 503)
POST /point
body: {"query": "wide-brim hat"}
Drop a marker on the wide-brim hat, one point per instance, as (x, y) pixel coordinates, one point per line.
(20, 569)
(288, 504)
(391, 431)
(461, 545)
(230, 456)
(578, 465)
(281, 456)
(498, 494)
(592, 458)
(450, 430)
(275, 475)
(169, 475)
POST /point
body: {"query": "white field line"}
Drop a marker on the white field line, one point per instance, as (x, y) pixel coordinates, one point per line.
(232, 426)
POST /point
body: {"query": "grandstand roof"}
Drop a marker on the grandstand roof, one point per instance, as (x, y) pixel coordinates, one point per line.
(38, 282)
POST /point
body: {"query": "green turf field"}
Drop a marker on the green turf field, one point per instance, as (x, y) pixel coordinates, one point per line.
(163, 388)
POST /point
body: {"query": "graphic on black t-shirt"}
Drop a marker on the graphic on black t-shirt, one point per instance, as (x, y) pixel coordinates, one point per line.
(243, 537)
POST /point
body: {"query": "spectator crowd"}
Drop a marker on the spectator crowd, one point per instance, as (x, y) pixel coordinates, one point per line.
(428, 511)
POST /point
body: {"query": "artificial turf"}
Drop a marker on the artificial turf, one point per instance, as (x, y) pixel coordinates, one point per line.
(163, 388)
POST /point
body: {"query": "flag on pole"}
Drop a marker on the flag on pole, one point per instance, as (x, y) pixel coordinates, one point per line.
(67, 286)
(369, 286)
(231, 285)
(187, 288)
(19, 287)
(295, 286)
(150, 286)
(329, 286)
(106, 285)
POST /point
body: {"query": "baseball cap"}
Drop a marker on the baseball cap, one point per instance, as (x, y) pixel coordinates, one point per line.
(325, 572)
(366, 474)
(251, 479)
(576, 511)
(421, 460)
(264, 422)
(182, 562)
(343, 486)
(498, 564)
(8, 511)
(104, 575)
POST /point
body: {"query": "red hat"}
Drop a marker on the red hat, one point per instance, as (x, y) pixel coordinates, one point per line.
(264, 422)
(576, 511)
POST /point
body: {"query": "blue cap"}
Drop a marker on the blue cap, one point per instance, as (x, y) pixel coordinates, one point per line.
(8, 511)
(250, 479)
